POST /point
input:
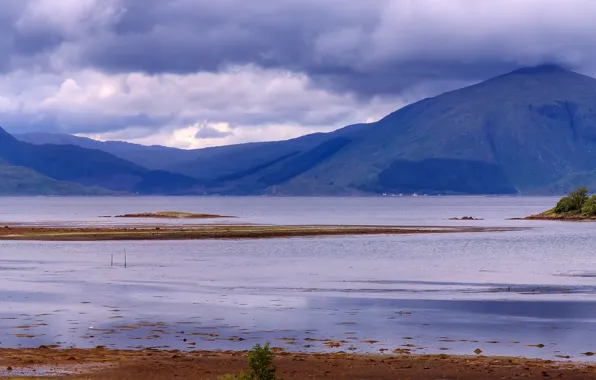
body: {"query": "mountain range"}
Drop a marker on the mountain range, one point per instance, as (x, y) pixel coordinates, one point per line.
(531, 131)
(89, 168)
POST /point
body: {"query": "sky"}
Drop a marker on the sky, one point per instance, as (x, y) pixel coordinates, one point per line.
(197, 73)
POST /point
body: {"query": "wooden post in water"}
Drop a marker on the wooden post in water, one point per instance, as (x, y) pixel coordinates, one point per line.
(124, 257)
(112, 261)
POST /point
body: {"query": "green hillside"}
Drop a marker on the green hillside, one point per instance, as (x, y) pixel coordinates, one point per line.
(530, 131)
(153, 157)
(16, 180)
(92, 167)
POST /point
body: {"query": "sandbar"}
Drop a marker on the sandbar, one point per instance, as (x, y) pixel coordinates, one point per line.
(199, 232)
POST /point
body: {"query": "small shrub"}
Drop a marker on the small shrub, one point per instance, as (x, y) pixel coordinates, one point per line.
(260, 365)
(589, 207)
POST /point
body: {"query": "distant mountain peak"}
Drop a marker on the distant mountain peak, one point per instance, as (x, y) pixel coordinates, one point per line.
(546, 68)
(5, 135)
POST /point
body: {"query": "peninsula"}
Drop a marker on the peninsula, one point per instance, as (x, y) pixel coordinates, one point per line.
(575, 206)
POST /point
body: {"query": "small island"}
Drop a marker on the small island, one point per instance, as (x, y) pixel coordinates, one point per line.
(575, 206)
(465, 218)
(171, 215)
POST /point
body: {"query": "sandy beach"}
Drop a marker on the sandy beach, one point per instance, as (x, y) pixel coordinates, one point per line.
(103, 364)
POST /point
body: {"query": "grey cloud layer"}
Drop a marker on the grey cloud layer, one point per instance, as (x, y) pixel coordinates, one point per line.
(372, 47)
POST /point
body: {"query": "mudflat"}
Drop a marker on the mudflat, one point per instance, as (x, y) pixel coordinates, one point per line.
(103, 364)
(197, 232)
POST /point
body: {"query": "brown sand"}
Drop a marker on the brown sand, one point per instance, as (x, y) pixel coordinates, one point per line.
(16, 232)
(102, 364)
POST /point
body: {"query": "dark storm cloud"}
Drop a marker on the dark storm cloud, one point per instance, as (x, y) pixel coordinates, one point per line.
(188, 36)
(373, 47)
(18, 43)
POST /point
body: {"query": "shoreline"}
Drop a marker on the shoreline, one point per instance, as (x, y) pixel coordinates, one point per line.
(102, 363)
(559, 217)
(202, 232)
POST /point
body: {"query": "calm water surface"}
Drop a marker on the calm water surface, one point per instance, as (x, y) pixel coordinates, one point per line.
(530, 292)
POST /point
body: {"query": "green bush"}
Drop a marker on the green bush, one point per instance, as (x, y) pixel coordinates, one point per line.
(573, 202)
(564, 206)
(589, 207)
(578, 197)
(260, 365)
